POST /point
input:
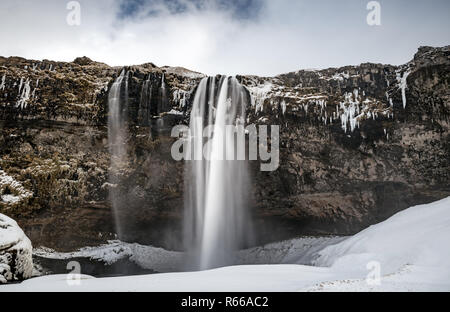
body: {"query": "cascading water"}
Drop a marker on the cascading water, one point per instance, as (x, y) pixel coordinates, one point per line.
(117, 100)
(144, 114)
(216, 222)
(164, 103)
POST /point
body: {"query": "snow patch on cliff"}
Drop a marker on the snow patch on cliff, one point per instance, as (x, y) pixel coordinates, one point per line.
(340, 76)
(181, 71)
(16, 191)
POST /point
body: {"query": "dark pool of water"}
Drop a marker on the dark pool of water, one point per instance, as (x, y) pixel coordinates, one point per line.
(95, 268)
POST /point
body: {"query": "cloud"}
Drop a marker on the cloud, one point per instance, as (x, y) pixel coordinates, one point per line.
(263, 37)
(238, 9)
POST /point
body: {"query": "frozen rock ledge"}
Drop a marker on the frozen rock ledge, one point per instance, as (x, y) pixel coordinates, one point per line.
(16, 261)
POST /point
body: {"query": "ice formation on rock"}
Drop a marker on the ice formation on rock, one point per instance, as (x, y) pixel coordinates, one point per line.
(2, 85)
(17, 192)
(24, 97)
(402, 81)
(259, 95)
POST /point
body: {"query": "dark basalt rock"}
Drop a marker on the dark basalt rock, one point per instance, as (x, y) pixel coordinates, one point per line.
(331, 180)
(83, 61)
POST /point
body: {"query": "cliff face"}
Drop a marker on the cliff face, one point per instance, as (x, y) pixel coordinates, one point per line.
(358, 144)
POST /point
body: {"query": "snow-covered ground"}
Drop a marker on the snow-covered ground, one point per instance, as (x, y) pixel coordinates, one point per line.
(408, 252)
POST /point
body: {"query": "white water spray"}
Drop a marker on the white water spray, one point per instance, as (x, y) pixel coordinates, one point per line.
(117, 103)
(164, 103)
(216, 222)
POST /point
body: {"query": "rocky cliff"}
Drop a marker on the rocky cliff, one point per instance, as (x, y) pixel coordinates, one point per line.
(358, 144)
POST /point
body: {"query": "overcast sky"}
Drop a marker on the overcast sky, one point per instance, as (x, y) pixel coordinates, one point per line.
(263, 37)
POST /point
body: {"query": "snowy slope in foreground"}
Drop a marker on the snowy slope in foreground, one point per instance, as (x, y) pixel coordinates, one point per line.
(412, 249)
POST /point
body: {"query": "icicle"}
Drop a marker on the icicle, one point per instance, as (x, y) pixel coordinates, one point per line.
(25, 96)
(2, 85)
(20, 84)
(283, 106)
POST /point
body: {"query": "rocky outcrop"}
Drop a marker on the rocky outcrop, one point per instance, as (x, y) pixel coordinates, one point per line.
(16, 261)
(358, 144)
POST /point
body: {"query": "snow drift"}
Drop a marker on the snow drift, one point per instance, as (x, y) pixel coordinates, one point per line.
(419, 236)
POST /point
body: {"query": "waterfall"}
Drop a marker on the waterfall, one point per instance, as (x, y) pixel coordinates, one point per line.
(144, 113)
(164, 103)
(216, 222)
(117, 104)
